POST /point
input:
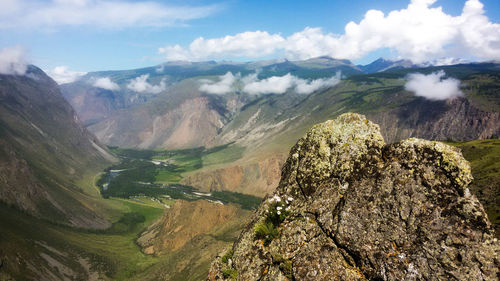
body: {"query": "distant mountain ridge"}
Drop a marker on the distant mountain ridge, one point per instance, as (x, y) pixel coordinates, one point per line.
(382, 64)
(167, 119)
(266, 126)
(95, 104)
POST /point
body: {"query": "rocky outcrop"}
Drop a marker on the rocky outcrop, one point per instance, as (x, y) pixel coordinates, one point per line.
(350, 207)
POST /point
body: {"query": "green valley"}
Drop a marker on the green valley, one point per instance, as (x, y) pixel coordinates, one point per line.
(156, 174)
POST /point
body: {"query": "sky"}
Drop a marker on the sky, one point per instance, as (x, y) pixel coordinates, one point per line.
(70, 37)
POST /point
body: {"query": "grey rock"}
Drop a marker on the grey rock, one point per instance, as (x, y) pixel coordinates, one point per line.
(350, 207)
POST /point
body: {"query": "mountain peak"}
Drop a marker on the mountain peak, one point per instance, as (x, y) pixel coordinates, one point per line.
(382, 64)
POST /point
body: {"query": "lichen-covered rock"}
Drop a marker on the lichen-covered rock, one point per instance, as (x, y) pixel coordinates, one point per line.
(350, 207)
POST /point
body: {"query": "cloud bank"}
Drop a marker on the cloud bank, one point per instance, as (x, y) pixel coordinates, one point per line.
(141, 85)
(13, 61)
(419, 32)
(433, 86)
(224, 86)
(250, 84)
(106, 83)
(100, 13)
(62, 75)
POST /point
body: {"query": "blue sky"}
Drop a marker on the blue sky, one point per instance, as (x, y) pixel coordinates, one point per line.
(117, 42)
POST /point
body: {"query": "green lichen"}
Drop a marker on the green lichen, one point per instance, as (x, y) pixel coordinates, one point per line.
(446, 157)
(335, 148)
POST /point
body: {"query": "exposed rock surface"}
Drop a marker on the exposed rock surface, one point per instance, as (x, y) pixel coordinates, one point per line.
(456, 119)
(256, 178)
(184, 221)
(193, 123)
(350, 207)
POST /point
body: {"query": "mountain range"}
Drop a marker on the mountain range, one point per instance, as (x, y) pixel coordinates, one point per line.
(265, 125)
(214, 128)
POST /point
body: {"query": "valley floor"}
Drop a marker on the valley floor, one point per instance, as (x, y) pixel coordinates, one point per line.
(139, 189)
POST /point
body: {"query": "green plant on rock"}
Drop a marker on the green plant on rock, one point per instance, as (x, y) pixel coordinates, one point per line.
(227, 256)
(276, 213)
(265, 231)
(287, 268)
(284, 264)
(230, 273)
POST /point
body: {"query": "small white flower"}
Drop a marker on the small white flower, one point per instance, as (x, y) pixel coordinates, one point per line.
(278, 199)
(467, 193)
(278, 212)
(290, 199)
(279, 208)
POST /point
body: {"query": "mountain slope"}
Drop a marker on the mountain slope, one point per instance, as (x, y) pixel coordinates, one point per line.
(188, 237)
(268, 127)
(179, 118)
(94, 104)
(45, 153)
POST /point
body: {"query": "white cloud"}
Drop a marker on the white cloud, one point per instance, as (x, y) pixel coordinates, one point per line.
(250, 84)
(13, 61)
(306, 87)
(223, 86)
(271, 85)
(141, 85)
(62, 75)
(419, 32)
(106, 83)
(247, 44)
(433, 86)
(99, 13)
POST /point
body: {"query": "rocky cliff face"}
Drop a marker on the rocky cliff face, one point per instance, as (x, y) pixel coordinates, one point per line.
(350, 207)
(193, 123)
(454, 119)
(93, 104)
